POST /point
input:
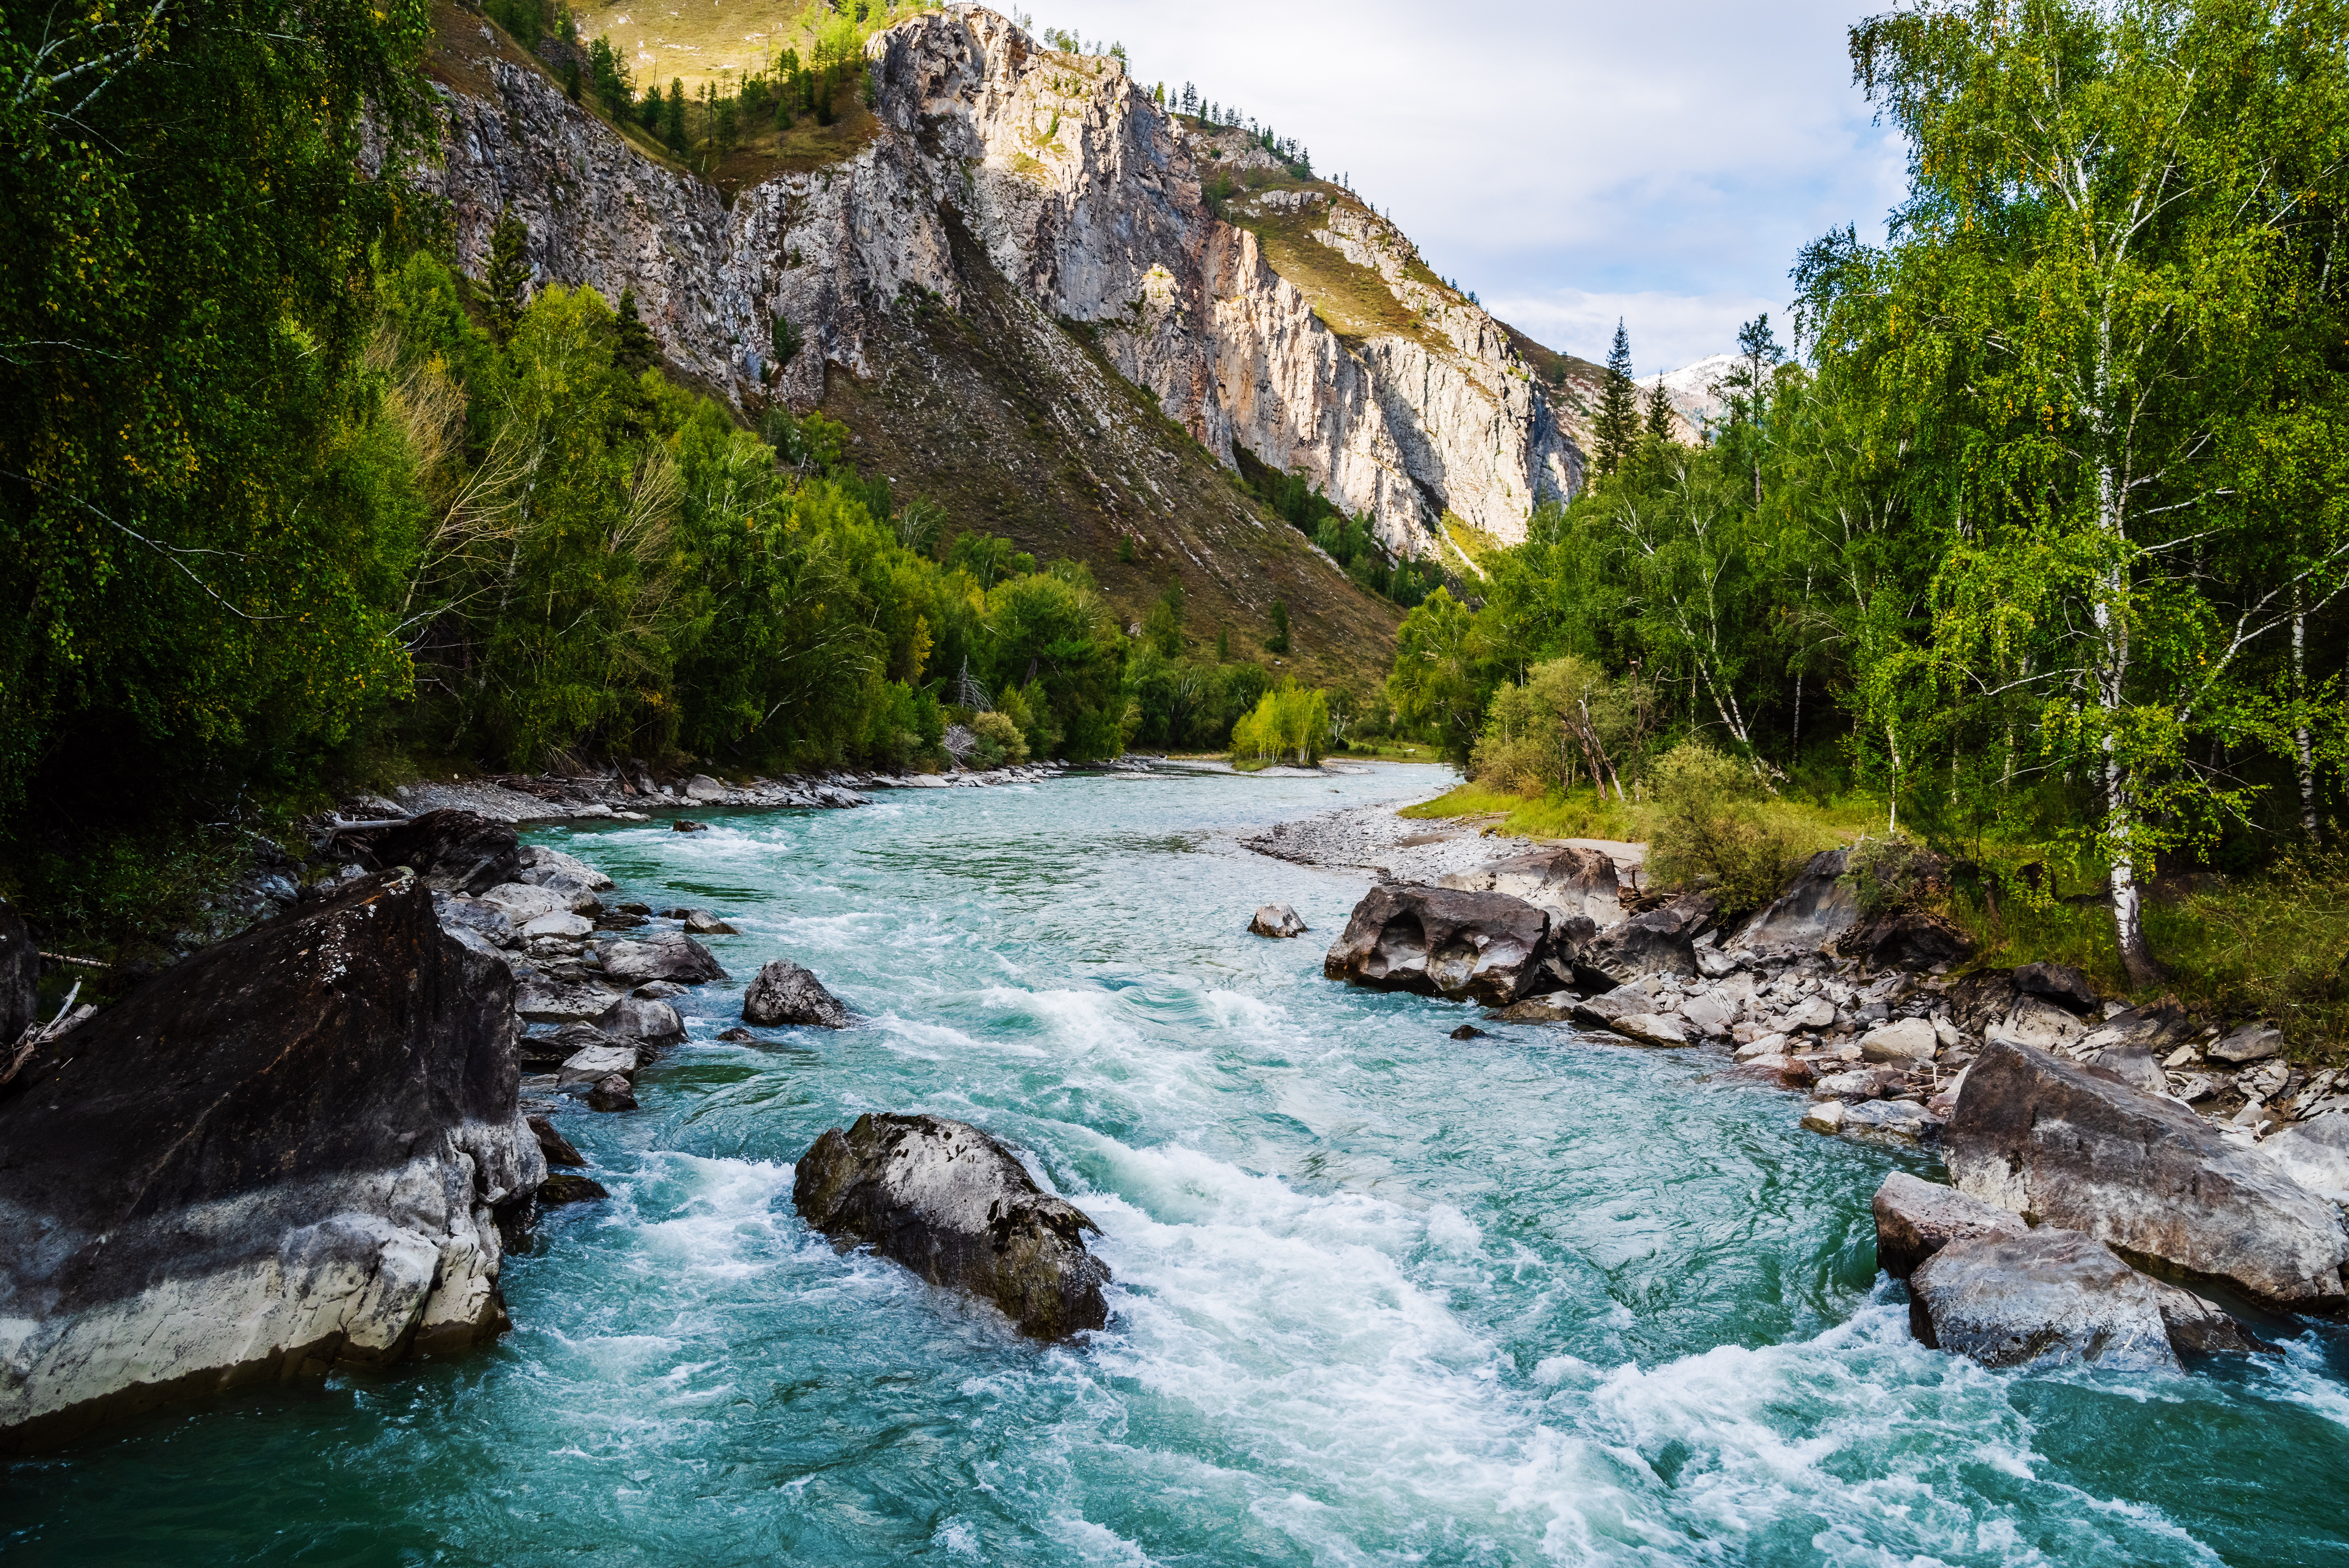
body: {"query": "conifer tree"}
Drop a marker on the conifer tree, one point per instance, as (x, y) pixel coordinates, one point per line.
(638, 352)
(509, 275)
(673, 116)
(1660, 414)
(1617, 424)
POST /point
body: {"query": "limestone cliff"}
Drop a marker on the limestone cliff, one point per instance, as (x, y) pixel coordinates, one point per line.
(1087, 201)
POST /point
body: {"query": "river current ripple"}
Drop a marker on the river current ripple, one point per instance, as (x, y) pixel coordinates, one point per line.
(1382, 1296)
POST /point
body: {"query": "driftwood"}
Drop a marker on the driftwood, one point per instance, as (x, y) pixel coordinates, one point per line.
(40, 1034)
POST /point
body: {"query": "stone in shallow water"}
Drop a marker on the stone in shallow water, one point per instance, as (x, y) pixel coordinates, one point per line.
(1470, 947)
(1278, 921)
(2074, 1145)
(784, 993)
(953, 1205)
(2034, 1302)
(556, 1190)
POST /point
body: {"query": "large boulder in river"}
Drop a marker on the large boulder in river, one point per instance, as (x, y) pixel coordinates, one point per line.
(673, 956)
(280, 1154)
(20, 978)
(2075, 1145)
(954, 1206)
(1276, 920)
(784, 993)
(1565, 880)
(456, 851)
(2031, 1302)
(1440, 941)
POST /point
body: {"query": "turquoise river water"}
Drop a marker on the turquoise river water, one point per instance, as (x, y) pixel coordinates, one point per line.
(1382, 1297)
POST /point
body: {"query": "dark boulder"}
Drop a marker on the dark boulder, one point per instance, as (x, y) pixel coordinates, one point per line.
(1439, 941)
(20, 978)
(452, 850)
(954, 1206)
(2066, 1144)
(1813, 912)
(674, 957)
(1913, 941)
(558, 1149)
(1915, 1219)
(558, 1191)
(281, 1153)
(1657, 941)
(2034, 1302)
(1565, 880)
(611, 1091)
(2058, 983)
(784, 993)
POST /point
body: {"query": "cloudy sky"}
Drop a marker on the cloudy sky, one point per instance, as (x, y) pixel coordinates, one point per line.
(1571, 160)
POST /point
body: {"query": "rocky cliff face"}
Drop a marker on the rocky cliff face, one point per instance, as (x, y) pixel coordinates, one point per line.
(1087, 201)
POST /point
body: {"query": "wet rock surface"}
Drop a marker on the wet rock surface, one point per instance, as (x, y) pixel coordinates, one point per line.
(1915, 1219)
(2037, 1302)
(954, 1206)
(1276, 920)
(282, 1153)
(784, 993)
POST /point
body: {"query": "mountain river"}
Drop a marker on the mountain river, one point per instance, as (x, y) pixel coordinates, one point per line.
(1382, 1296)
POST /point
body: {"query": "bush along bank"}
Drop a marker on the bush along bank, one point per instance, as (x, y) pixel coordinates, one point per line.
(2116, 1135)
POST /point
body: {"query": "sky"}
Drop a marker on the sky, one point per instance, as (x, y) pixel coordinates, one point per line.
(1570, 162)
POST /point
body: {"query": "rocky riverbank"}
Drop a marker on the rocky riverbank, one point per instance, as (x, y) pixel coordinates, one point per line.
(2147, 1134)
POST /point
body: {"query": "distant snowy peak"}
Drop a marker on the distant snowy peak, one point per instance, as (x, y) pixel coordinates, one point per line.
(1693, 390)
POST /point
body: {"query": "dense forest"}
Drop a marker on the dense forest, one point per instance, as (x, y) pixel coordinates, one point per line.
(2035, 536)
(290, 505)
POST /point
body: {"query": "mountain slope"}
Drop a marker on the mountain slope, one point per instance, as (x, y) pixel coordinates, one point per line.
(988, 160)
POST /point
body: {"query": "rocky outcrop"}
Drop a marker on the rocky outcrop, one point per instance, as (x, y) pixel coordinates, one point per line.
(784, 993)
(1438, 942)
(2069, 1144)
(1276, 920)
(452, 850)
(1566, 881)
(1655, 941)
(954, 1206)
(1812, 915)
(673, 956)
(2039, 1301)
(1086, 198)
(282, 1153)
(2315, 1154)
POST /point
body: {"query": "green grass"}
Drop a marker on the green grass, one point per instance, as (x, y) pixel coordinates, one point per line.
(1583, 814)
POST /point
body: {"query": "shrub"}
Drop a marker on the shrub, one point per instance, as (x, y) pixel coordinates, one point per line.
(1896, 873)
(1001, 744)
(1709, 830)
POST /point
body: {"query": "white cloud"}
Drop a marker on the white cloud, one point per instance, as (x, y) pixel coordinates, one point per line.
(1573, 158)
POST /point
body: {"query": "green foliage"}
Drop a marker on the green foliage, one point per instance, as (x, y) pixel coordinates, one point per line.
(1278, 642)
(1708, 830)
(1616, 423)
(1001, 742)
(1288, 724)
(1437, 680)
(1163, 627)
(190, 599)
(509, 275)
(1895, 872)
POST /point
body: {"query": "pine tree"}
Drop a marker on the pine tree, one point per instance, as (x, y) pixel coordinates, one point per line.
(637, 351)
(509, 275)
(1660, 414)
(673, 116)
(1617, 425)
(1278, 642)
